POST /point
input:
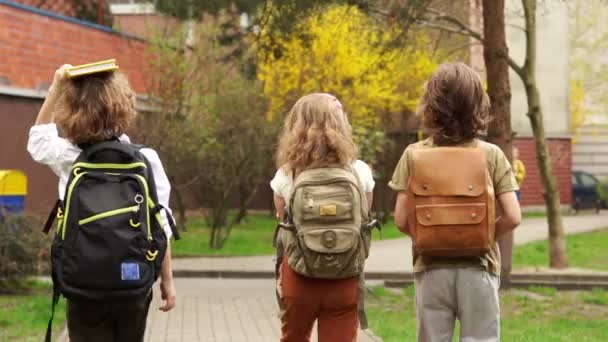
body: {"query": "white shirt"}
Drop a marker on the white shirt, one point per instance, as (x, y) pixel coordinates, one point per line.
(46, 147)
(282, 182)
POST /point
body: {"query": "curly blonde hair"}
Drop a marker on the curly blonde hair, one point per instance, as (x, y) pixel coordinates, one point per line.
(95, 107)
(316, 133)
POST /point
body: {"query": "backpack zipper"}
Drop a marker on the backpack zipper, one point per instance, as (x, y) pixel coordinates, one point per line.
(109, 213)
(69, 199)
(149, 201)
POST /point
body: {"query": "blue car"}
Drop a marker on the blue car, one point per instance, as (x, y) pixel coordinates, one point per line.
(586, 192)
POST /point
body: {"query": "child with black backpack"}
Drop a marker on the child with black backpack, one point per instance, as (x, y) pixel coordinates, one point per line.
(113, 229)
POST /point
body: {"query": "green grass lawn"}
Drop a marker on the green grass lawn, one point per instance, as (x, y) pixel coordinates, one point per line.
(24, 316)
(537, 315)
(588, 250)
(251, 237)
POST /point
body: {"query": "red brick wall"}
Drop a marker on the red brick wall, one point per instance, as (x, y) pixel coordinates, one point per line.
(33, 45)
(561, 157)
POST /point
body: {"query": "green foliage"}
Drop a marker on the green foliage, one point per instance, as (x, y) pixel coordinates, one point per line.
(566, 317)
(189, 9)
(545, 291)
(597, 296)
(24, 317)
(586, 250)
(342, 51)
(252, 236)
(88, 10)
(210, 124)
(22, 247)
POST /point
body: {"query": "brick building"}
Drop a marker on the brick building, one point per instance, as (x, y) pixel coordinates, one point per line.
(33, 43)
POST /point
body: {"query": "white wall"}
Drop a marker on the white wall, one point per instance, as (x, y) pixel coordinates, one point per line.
(552, 66)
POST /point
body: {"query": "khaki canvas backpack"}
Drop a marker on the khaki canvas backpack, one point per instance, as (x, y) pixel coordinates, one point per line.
(450, 203)
(327, 233)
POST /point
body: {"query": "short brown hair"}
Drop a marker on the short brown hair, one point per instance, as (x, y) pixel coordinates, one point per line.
(454, 106)
(96, 107)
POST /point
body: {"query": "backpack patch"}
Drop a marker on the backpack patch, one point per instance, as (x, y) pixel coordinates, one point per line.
(129, 271)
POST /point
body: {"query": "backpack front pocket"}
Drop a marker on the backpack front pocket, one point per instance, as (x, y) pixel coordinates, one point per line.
(328, 206)
(330, 253)
(328, 240)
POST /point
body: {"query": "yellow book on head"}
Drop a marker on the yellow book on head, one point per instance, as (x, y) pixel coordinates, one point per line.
(91, 68)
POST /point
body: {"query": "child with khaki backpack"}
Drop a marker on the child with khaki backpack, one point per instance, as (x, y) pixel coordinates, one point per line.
(447, 188)
(322, 196)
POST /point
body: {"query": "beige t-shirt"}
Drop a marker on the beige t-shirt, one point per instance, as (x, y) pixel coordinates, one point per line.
(503, 181)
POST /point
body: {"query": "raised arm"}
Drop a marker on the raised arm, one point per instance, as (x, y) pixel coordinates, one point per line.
(46, 113)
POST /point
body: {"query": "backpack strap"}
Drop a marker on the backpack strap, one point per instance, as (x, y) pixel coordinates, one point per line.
(365, 210)
(51, 218)
(371, 223)
(55, 300)
(361, 302)
(287, 224)
(157, 206)
(157, 209)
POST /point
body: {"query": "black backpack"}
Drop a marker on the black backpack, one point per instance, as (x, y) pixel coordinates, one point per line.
(109, 243)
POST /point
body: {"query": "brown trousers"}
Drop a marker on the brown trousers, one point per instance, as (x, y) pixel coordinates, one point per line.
(332, 302)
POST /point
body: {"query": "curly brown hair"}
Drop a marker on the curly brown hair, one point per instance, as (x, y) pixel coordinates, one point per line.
(454, 107)
(95, 107)
(316, 133)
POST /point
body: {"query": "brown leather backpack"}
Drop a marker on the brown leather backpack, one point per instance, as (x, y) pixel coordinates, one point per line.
(450, 203)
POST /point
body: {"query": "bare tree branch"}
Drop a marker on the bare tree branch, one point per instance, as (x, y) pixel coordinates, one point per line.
(518, 27)
(449, 30)
(518, 69)
(440, 16)
(458, 27)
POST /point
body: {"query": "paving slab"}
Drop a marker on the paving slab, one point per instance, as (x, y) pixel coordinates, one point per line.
(220, 310)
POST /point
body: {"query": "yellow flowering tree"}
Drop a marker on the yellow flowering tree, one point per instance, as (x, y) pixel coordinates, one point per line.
(342, 51)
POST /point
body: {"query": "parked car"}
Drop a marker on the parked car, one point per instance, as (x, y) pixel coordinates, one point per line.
(588, 192)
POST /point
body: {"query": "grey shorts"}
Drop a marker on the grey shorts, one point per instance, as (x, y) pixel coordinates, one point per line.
(469, 295)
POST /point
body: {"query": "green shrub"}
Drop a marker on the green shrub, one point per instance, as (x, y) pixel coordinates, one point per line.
(23, 248)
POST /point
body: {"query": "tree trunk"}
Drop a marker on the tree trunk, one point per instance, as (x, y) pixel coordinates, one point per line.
(181, 209)
(495, 53)
(244, 195)
(557, 243)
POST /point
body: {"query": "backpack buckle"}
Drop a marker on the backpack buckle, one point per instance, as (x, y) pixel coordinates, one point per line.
(375, 224)
(151, 256)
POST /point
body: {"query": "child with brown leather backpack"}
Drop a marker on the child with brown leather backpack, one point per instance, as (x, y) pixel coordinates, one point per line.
(447, 187)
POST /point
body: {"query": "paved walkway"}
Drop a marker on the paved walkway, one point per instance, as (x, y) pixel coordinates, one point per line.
(395, 255)
(219, 310)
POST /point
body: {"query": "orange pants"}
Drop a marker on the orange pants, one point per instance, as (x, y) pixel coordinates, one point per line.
(332, 302)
